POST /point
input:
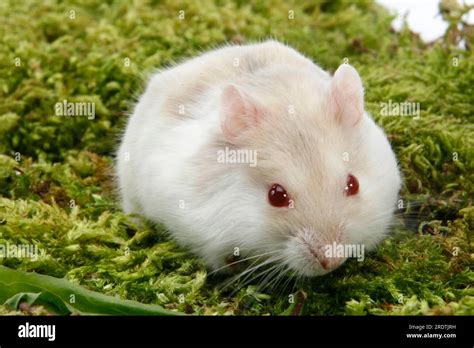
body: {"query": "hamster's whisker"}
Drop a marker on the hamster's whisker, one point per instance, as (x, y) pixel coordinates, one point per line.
(298, 282)
(245, 275)
(251, 277)
(237, 279)
(272, 275)
(284, 286)
(273, 269)
(277, 264)
(249, 272)
(278, 275)
(242, 260)
(251, 268)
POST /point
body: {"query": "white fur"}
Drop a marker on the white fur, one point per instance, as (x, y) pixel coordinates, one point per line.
(225, 206)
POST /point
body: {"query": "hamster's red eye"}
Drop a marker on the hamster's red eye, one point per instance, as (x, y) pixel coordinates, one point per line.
(278, 197)
(352, 185)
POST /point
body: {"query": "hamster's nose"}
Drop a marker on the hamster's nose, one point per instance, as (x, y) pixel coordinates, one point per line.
(330, 263)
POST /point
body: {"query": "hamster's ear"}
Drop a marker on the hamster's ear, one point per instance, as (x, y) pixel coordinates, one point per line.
(347, 96)
(238, 113)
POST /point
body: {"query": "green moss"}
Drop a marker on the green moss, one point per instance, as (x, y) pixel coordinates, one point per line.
(55, 172)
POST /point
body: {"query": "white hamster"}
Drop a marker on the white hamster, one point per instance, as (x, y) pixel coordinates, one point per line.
(255, 150)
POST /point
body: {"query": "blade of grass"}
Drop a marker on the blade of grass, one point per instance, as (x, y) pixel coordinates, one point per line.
(13, 283)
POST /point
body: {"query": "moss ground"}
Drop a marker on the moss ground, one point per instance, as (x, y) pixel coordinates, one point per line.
(55, 183)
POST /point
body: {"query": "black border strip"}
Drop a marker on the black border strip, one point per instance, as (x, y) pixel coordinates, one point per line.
(239, 330)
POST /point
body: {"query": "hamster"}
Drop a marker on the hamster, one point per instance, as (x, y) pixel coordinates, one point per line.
(255, 151)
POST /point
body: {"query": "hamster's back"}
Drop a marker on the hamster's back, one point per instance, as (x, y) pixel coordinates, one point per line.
(189, 81)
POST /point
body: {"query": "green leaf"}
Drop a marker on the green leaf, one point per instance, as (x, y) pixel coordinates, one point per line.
(63, 297)
(46, 299)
